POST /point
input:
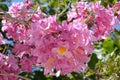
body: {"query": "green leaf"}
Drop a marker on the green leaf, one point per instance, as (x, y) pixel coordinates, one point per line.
(77, 76)
(95, 1)
(111, 1)
(103, 3)
(115, 1)
(93, 61)
(54, 4)
(89, 74)
(108, 45)
(4, 7)
(74, 1)
(117, 42)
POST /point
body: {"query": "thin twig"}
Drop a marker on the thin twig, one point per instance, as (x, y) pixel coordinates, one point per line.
(64, 10)
(4, 49)
(3, 13)
(11, 74)
(9, 18)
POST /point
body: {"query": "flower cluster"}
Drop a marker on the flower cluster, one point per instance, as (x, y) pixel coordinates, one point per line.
(116, 9)
(39, 40)
(8, 65)
(99, 19)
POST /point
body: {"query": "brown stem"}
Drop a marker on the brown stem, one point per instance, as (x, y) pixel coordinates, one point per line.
(15, 75)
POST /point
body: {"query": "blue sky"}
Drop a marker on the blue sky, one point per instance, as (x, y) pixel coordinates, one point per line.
(118, 27)
(17, 0)
(12, 2)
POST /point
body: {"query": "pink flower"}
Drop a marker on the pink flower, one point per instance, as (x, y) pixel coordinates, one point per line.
(8, 65)
(15, 9)
(64, 47)
(15, 31)
(117, 5)
(28, 4)
(1, 39)
(20, 49)
(116, 9)
(97, 18)
(55, 46)
(13, 62)
(27, 63)
(77, 11)
(104, 21)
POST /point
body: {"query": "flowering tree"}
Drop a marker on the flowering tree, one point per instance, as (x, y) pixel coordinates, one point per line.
(62, 39)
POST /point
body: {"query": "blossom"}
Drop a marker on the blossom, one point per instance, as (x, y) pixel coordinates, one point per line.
(39, 40)
(116, 9)
(99, 19)
(14, 30)
(21, 49)
(28, 4)
(1, 39)
(104, 21)
(15, 9)
(8, 65)
(78, 11)
(26, 63)
(55, 46)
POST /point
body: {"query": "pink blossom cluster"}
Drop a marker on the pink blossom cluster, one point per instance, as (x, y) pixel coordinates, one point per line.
(116, 9)
(99, 19)
(8, 66)
(39, 40)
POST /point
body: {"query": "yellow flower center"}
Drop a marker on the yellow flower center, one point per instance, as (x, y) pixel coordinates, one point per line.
(62, 50)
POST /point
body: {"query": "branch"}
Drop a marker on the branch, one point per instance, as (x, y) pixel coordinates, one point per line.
(11, 74)
(64, 10)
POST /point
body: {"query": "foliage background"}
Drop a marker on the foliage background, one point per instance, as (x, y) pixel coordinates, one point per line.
(105, 60)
